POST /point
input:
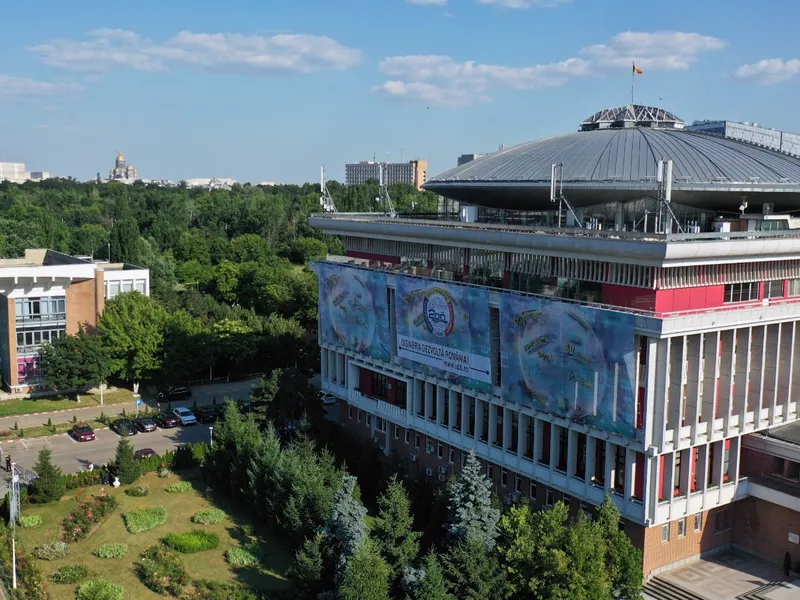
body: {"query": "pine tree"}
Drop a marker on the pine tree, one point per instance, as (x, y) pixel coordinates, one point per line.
(471, 513)
(347, 522)
(312, 570)
(125, 465)
(398, 542)
(50, 485)
(431, 583)
(473, 571)
(366, 576)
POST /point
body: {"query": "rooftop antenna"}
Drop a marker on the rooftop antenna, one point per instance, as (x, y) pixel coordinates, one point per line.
(325, 199)
(557, 193)
(664, 179)
(384, 197)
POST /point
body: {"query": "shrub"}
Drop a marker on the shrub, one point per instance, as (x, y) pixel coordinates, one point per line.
(160, 570)
(77, 524)
(49, 486)
(209, 516)
(240, 557)
(100, 589)
(145, 519)
(193, 541)
(164, 472)
(179, 487)
(30, 521)
(70, 574)
(126, 467)
(138, 492)
(84, 479)
(217, 590)
(51, 550)
(111, 551)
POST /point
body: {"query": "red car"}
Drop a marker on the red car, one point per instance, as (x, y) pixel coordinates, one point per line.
(82, 432)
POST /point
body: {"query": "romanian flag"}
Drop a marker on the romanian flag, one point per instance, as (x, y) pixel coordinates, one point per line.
(636, 69)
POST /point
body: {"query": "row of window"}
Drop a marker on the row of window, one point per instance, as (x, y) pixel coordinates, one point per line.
(749, 292)
(114, 288)
(723, 521)
(40, 309)
(31, 340)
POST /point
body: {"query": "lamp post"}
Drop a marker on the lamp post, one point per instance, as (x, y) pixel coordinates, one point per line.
(211, 436)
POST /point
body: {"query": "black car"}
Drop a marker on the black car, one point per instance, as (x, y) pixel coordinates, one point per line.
(208, 414)
(123, 427)
(174, 392)
(144, 453)
(167, 420)
(146, 424)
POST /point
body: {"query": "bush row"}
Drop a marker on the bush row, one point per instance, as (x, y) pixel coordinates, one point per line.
(77, 524)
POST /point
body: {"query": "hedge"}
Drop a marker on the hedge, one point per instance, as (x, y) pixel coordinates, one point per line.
(70, 574)
(192, 541)
(145, 519)
(209, 516)
(111, 551)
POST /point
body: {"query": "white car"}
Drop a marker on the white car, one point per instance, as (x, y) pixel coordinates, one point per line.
(185, 415)
(328, 399)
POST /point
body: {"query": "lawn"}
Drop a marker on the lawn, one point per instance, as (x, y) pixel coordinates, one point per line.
(26, 406)
(209, 564)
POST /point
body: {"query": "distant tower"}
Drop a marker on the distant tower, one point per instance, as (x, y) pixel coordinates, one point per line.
(122, 171)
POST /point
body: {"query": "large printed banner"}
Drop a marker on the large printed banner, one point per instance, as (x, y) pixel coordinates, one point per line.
(569, 360)
(352, 310)
(445, 328)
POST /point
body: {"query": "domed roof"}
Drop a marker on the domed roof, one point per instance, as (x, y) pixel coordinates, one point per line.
(120, 156)
(621, 163)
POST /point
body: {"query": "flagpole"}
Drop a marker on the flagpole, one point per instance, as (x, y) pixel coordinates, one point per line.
(633, 79)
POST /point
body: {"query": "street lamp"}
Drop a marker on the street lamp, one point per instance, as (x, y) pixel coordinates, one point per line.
(211, 436)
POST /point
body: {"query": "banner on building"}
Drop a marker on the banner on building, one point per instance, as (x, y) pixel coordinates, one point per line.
(444, 327)
(569, 360)
(353, 310)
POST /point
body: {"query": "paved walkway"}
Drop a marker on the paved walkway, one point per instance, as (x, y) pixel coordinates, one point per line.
(202, 394)
(734, 575)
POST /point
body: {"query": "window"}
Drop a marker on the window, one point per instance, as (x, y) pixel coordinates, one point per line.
(380, 424)
(112, 289)
(676, 474)
(471, 422)
(741, 292)
(396, 432)
(794, 287)
(139, 286)
(401, 393)
(682, 528)
(358, 416)
(407, 436)
(416, 440)
(349, 411)
(587, 510)
(494, 344)
(665, 533)
(439, 450)
(563, 449)
(380, 385)
(619, 469)
(40, 309)
(514, 432)
(698, 521)
(127, 286)
(580, 463)
(517, 484)
(532, 490)
(457, 424)
(369, 420)
(567, 499)
(773, 289)
(548, 498)
(464, 459)
(451, 456)
(503, 477)
(490, 472)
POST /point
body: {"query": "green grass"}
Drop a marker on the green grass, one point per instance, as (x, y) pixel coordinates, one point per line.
(26, 406)
(211, 564)
(44, 430)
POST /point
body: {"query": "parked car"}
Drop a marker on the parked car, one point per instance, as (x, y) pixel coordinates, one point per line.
(82, 432)
(167, 420)
(144, 453)
(174, 392)
(185, 416)
(124, 427)
(146, 424)
(208, 414)
(327, 399)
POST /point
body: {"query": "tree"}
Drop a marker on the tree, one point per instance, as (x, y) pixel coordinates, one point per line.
(366, 576)
(473, 572)
(126, 466)
(429, 582)
(312, 570)
(75, 362)
(623, 559)
(397, 540)
(132, 326)
(286, 396)
(471, 513)
(347, 524)
(124, 241)
(50, 485)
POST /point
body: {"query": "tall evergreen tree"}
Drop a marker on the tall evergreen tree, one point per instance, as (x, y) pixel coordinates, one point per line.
(397, 540)
(312, 570)
(430, 583)
(126, 467)
(347, 524)
(366, 576)
(473, 571)
(471, 513)
(50, 485)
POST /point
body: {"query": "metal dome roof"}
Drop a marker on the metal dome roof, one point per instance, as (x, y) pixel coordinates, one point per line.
(620, 163)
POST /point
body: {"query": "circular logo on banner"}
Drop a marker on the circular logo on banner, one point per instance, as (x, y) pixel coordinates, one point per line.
(438, 311)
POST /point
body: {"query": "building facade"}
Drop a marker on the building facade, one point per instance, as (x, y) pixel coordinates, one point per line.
(578, 365)
(413, 172)
(122, 171)
(465, 158)
(16, 173)
(46, 295)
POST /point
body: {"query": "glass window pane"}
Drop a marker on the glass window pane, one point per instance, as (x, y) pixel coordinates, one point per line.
(127, 285)
(140, 286)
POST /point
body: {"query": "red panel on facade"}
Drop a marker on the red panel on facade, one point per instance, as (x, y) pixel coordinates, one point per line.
(693, 298)
(365, 381)
(662, 475)
(638, 480)
(371, 256)
(693, 475)
(628, 297)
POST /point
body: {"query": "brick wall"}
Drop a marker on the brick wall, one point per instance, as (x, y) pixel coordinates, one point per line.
(763, 528)
(82, 305)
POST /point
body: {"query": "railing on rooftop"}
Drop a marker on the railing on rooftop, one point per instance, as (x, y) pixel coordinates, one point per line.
(638, 236)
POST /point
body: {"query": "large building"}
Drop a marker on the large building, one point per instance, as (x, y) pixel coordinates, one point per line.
(122, 171)
(753, 133)
(413, 172)
(630, 330)
(16, 173)
(48, 294)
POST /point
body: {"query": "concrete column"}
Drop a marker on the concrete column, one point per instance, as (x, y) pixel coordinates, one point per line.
(703, 463)
(718, 452)
(619, 217)
(736, 446)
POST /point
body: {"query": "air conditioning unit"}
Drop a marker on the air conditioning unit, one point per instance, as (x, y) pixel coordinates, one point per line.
(413, 458)
(429, 447)
(374, 439)
(429, 472)
(443, 470)
(442, 478)
(507, 499)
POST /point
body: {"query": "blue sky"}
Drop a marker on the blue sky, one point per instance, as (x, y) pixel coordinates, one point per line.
(261, 90)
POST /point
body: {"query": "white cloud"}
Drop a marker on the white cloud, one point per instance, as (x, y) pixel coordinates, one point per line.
(428, 2)
(769, 71)
(443, 81)
(21, 87)
(524, 3)
(105, 50)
